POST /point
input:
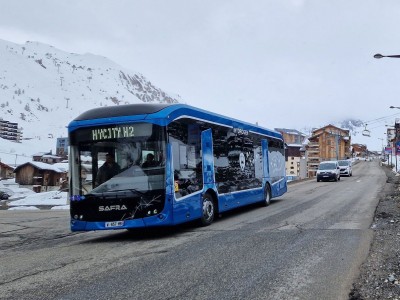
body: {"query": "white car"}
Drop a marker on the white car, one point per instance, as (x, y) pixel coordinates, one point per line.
(345, 167)
(328, 170)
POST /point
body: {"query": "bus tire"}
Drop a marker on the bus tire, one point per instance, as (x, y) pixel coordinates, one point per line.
(267, 196)
(208, 210)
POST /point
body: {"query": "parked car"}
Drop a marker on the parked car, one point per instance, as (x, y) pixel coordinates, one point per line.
(328, 170)
(345, 167)
(4, 195)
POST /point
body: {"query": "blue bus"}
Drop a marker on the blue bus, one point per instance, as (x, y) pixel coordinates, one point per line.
(201, 164)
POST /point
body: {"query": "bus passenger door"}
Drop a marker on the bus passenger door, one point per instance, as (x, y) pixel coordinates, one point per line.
(266, 175)
(208, 159)
(169, 173)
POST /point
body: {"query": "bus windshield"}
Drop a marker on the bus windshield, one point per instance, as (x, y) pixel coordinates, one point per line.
(112, 159)
(117, 172)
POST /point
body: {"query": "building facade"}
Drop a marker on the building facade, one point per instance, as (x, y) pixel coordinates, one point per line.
(10, 131)
(359, 150)
(294, 140)
(327, 143)
(62, 147)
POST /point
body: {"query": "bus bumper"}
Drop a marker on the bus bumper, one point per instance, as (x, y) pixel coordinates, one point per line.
(159, 220)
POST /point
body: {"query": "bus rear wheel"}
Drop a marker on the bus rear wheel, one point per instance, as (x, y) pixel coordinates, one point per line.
(208, 210)
(267, 196)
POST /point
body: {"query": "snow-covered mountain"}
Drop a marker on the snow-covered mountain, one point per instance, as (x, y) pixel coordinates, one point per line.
(43, 88)
(351, 124)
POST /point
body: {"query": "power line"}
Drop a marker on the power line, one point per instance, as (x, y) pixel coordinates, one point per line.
(381, 119)
(22, 155)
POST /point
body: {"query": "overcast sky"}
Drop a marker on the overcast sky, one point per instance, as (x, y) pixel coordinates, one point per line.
(282, 63)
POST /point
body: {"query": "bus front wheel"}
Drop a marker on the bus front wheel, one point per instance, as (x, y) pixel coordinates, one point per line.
(267, 196)
(208, 210)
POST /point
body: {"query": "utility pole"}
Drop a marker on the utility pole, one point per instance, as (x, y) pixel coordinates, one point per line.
(337, 137)
(337, 146)
(397, 138)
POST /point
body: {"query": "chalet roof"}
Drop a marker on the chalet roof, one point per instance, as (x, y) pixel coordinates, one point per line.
(41, 166)
(41, 153)
(50, 156)
(3, 165)
(330, 125)
(314, 136)
(62, 166)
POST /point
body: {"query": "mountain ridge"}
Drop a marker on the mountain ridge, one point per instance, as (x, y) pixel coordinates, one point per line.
(38, 80)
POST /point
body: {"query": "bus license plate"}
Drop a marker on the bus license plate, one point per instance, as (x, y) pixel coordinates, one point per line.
(114, 224)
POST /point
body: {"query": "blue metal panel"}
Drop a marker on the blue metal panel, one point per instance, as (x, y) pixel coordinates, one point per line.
(187, 208)
(238, 199)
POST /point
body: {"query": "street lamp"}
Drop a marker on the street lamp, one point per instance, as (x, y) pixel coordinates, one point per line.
(382, 139)
(378, 56)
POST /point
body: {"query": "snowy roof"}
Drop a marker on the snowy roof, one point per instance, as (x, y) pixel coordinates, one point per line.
(3, 165)
(42, 166)
(50, 156)
(330, 125)
(62, 166)
(40, 153)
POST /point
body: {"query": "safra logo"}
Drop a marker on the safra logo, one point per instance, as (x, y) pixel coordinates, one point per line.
(112, 207)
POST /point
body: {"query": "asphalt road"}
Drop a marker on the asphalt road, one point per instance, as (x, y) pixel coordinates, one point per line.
(308, 244)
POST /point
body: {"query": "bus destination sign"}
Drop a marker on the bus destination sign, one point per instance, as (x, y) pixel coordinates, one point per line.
(119, 131)
(113, 133)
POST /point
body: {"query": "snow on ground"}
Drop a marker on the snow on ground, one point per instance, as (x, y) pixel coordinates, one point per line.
(45, 198)
(24, 198)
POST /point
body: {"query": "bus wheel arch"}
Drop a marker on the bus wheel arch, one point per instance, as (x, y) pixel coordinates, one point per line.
(209, 208)
(267, 195)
